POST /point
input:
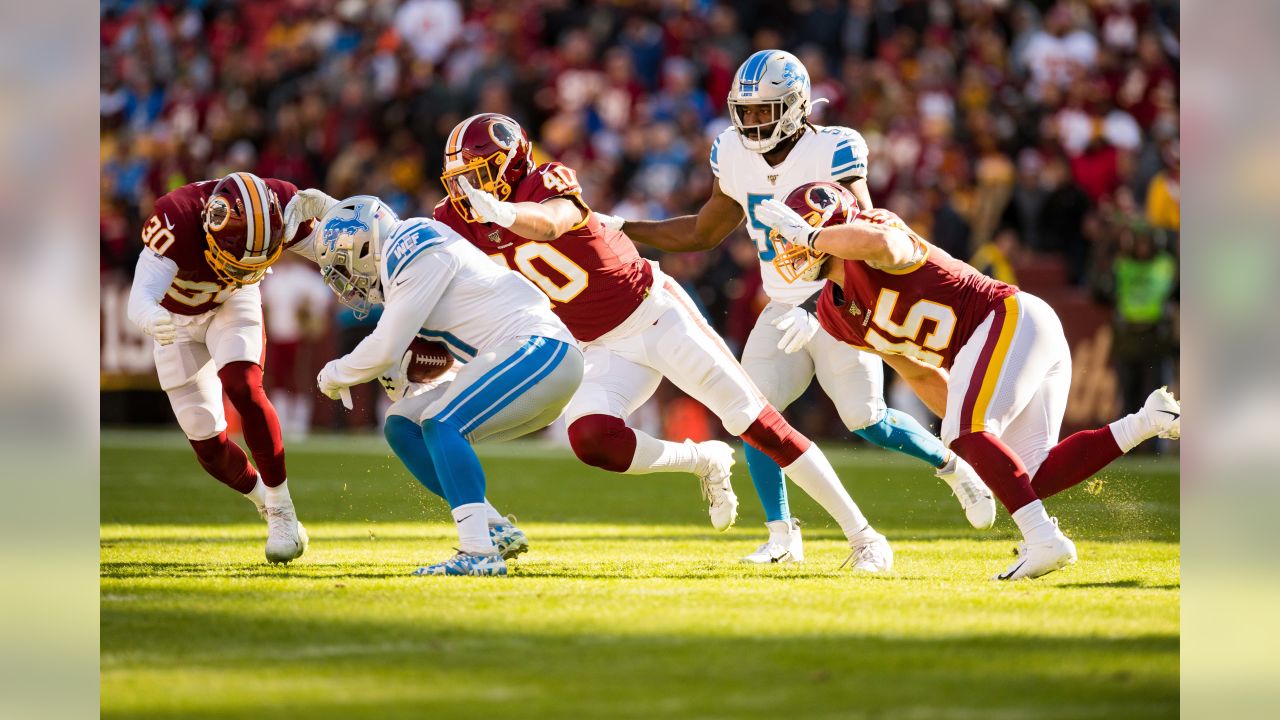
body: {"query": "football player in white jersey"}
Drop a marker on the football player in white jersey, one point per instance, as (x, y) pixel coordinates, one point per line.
(521, 365)
(770, 150)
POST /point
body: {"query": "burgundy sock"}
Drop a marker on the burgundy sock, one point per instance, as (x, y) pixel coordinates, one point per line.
(603, 441)
(772, 435)
(1075, 460)
(243, 384)
(998, 466)
(225, 461)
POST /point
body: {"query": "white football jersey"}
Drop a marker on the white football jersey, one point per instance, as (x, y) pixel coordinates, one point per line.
(438, 286)
(830, 154)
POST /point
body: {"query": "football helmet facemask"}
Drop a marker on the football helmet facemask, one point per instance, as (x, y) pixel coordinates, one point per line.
(352, 234)
(244, 228)
(775, 79)
(821, 204)
(492, 151)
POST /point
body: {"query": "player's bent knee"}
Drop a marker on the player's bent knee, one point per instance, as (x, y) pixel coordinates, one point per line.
(200, 423)
(862, 418)
(603, 441)
(242, 381)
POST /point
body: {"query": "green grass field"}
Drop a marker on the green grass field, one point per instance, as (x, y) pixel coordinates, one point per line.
(628, 605)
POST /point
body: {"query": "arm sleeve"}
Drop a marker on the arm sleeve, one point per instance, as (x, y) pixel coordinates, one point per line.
(151, 279)
(306, 247)
(417, 288)
(715, 157)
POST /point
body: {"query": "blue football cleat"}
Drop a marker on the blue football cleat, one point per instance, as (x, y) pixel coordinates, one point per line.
(467, 564)
(510, 540)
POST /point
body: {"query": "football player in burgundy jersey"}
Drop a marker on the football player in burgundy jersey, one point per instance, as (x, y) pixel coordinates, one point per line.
(635, 325)
(988, 358)
(195, 293)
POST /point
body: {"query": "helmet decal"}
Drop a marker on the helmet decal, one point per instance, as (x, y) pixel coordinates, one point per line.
(503, 135)
(336, 227)
(218, 212)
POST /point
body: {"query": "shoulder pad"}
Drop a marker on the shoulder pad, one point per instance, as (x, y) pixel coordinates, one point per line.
(410, 240)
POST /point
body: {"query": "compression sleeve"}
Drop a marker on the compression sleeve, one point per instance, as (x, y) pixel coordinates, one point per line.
(151, 279)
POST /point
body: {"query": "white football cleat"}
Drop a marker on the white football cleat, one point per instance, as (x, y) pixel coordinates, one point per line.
(715, 466)
(1164, 413)
(286, 537)
(1041, 558)
(873, 555)
(781, 547)
(973, 494)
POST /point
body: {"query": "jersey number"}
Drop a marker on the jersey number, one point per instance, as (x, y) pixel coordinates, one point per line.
(576, 277)
(764, 245)
(944, 324)
(196, 294)
(560, 179)
(156, 236)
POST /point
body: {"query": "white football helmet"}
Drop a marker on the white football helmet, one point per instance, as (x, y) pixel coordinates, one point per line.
(350, 247)
(776, 78)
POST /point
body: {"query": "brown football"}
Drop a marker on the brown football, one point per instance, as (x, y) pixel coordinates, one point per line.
(430, 360)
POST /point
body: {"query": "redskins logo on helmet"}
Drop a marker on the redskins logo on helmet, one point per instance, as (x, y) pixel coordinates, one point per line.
(244, 228)
(821, 204)
(492, 152)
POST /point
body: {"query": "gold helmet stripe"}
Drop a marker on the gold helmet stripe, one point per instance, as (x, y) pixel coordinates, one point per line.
(256, 216)
(454, 144)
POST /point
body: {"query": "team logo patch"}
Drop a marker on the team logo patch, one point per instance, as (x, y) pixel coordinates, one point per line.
(773, 179)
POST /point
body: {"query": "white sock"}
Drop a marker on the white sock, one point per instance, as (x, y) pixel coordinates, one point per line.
(491, 514)
(814, 474)
(654, 455)
(779, 531)
(279, 495)
(258, 495)
(473, 529)
(1130, 430)
(1034, 522)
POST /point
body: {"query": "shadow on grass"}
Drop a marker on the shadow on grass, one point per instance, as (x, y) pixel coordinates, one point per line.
(432, 668)
(1129, 583)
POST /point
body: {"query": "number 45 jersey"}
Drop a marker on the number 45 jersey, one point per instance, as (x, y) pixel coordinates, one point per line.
(175, 231)
(593, 276)
(822, 154)
(927, 310)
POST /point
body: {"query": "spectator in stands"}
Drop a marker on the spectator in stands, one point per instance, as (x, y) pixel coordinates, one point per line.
(1145, 278)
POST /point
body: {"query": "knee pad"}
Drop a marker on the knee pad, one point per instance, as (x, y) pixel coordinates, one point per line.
(199, 422)
(603, 441)
(861, 417)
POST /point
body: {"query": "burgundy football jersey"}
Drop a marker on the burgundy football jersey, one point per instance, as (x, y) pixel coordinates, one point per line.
(175, 231)
(928, 311)
(593, 276)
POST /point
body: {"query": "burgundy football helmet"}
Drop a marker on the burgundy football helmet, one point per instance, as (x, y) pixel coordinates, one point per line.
(244, 227)
(821, 204)
(492, 152)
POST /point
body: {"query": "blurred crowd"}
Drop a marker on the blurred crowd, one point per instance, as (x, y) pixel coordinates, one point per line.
(1007, 131)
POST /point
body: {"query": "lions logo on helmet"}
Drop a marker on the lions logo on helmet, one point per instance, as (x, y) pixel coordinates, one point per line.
(821, 204)
(352, 235)
(779, 81)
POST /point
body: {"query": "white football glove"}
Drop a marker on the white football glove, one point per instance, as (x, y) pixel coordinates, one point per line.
(611, 222)
(488, 208)
(329, 387)
(306, 205)
(798, 327)
(395, 381)
(159, 325)
(786, 222)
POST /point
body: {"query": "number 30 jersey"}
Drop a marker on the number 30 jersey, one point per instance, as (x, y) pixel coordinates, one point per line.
(593, 276)
(175, 231)
(829, 154)
(927, 310)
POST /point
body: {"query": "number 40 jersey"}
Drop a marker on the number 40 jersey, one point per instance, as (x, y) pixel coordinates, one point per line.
(593, 276)
(823, 154)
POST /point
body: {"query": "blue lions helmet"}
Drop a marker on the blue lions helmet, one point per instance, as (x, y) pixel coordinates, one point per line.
(350, 247)
(776, 79)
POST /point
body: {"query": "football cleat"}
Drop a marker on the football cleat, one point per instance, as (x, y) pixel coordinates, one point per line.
(872, 556)
(464, 563)
(1041, 558)
(973, 494)
(509, 539)
(715, 465)
(1164, 414)
(780, 548)
(286, 537)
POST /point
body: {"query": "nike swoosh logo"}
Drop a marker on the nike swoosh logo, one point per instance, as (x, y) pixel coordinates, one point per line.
(1009, 574)
(167, 222)
(781, 557)
(1170, 412)
(400, 282)
(464, 519)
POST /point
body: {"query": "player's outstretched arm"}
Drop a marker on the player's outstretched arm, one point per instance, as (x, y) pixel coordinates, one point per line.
(875, 243)
(547, 220)
(928, 382)
(690, 233)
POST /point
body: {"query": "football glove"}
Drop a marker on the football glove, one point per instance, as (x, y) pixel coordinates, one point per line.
(787, 223)
(394, 381)
(306, 205)
(159, 325)
(488, 208)
(798, 327)
(329, 387)
(611, 222)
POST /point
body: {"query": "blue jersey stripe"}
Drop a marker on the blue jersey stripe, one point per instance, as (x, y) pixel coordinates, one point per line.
(486, 380)
(842, 156)
(548, 355)
(449, 339)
